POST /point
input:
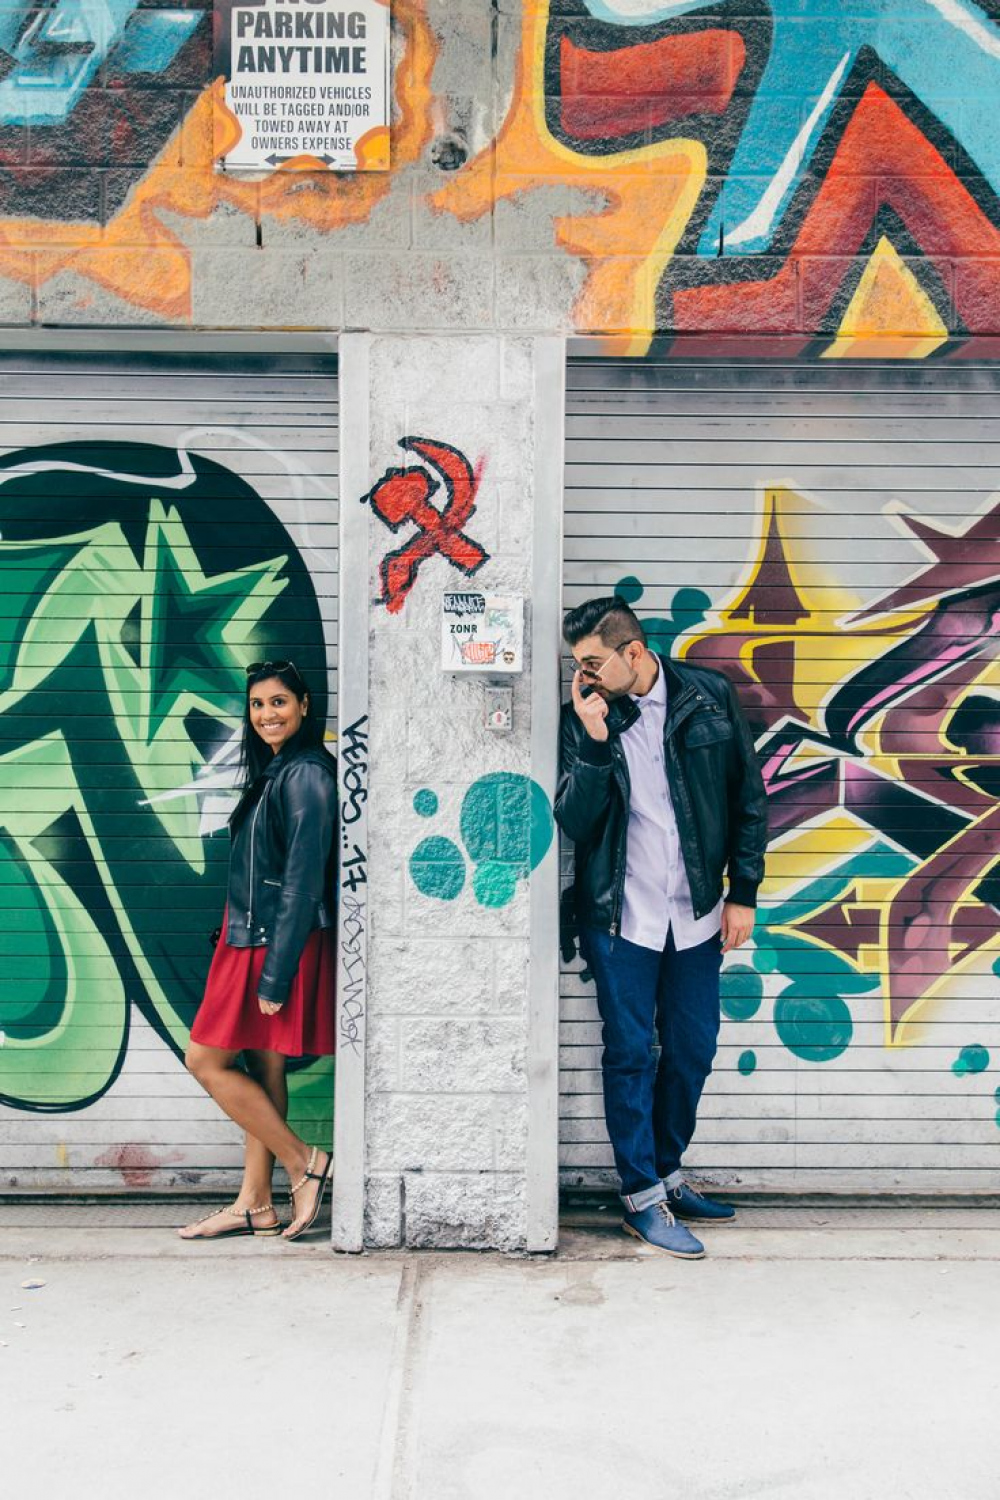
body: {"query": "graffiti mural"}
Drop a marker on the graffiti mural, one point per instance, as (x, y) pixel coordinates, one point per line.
(127, 126)
(877, 735)
(895, 735)
(506, 827)
(829, 540)
(807, 179)
(138, 582)
(771, 168)
(54, 54)
(403, 496)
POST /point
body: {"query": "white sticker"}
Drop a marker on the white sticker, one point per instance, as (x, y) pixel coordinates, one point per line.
(306, 84)
(482, 632)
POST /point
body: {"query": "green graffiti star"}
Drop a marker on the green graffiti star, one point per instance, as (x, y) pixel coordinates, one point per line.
(194, 627)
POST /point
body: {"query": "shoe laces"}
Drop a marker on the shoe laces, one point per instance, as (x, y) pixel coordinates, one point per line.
(664, 1210)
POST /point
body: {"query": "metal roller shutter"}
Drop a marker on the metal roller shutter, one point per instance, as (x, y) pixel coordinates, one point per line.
(164, 520)
(830, 537)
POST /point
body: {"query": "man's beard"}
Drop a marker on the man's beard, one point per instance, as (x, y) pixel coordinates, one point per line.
(611, 695)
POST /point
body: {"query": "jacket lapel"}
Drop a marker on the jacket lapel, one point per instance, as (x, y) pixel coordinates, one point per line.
(681, 697)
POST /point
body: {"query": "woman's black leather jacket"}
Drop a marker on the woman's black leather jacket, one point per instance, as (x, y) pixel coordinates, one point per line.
(282, 864)
(715, 786)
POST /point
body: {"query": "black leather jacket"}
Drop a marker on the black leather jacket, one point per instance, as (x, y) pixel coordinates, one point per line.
(715, 785)
(282, 864)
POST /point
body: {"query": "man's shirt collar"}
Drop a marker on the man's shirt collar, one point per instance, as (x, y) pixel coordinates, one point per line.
(657, 693)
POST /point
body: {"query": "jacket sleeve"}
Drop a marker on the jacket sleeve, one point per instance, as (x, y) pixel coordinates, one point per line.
(309, 812)
(584, 787)
(747, 811)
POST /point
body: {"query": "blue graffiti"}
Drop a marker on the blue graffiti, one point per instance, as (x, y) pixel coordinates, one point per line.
(946, 52)
(641, 12)
(54, 54)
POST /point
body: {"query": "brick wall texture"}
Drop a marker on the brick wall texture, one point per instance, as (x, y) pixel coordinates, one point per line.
(450, 802)
(787, 174)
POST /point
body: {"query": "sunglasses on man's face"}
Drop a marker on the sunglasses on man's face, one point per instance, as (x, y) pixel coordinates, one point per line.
(271, 666)
(594, 674)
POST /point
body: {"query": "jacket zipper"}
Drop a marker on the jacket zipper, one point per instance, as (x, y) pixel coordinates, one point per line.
(253, 830)
(616, 909)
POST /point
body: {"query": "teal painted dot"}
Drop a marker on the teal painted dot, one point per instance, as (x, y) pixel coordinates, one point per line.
(974, 1059)
(998, 1119)
(629, 589)
(765, 959)
(506, 819)
(997, 1096)
(747, 1063)
(816, 1028)
(688, 608)
(742, 992)
(996, 966)
(437, 868)
(494, 883)
(425, 802)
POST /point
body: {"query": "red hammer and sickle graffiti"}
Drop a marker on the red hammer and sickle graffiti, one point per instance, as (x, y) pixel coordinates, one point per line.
(403, 495)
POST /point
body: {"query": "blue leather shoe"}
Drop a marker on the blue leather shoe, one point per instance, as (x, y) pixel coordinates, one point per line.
(686, 1204)
(658, 1228)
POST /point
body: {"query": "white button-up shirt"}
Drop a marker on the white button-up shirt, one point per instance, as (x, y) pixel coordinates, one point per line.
(657, 895)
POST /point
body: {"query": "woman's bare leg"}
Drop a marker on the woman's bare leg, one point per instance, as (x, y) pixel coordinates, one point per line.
(246, 1103)
(267, 1069)
(255, 1194)
(250, 1106)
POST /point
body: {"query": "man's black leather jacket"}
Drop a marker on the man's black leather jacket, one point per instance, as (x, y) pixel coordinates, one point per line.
(715, 785)
(282, 864)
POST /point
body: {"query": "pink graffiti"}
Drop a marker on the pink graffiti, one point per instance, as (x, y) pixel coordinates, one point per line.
(136, 1163)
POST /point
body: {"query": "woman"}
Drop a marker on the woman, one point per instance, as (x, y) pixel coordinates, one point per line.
(270, 989)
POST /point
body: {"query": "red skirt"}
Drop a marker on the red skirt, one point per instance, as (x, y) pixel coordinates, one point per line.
(229, 1016)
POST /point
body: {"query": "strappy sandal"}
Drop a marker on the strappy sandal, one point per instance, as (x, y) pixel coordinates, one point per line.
(245, 1225)
(310, 1176)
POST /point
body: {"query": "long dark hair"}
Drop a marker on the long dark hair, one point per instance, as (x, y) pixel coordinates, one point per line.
(255, 754)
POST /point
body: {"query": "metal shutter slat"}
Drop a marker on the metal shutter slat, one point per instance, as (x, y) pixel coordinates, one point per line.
(666, 467)
(271, 420)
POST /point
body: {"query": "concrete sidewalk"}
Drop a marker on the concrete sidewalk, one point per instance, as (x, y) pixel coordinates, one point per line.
(815, 1353)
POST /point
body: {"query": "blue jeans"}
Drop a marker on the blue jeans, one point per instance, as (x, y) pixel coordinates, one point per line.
(651, 1110)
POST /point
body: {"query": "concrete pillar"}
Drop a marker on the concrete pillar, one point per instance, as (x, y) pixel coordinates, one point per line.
(452, 1141)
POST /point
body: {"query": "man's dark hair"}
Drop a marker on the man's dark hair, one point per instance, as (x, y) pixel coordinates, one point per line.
(610, 619)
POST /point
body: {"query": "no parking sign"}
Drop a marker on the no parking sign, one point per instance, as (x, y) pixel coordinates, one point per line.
(306, 83)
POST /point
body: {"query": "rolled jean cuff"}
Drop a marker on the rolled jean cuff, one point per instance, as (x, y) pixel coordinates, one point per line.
(645, 1198)
(675, 1180)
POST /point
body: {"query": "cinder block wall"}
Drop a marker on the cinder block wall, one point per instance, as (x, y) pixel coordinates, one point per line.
(794, 175)
(449, 810)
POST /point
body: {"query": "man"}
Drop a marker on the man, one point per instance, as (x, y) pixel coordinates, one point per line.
(661, 793)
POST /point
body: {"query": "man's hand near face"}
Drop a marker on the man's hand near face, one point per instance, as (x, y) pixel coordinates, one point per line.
(591, 711)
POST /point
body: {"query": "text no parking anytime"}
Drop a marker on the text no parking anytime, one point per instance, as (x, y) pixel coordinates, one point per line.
(306, 84)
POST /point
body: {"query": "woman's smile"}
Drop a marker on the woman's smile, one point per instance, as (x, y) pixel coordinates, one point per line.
(275, 713)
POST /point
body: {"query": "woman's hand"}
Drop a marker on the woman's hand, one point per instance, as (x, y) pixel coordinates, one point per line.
(267, 1007)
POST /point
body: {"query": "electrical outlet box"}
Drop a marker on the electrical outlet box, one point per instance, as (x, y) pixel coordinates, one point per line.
(500, 709)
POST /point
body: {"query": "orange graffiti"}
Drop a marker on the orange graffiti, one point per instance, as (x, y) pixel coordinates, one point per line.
(649, 194)
(138, 258)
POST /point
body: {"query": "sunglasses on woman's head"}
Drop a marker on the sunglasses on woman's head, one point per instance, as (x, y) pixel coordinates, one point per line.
(271, 666)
